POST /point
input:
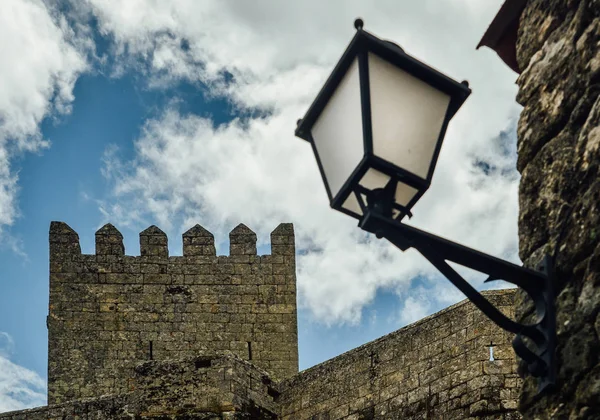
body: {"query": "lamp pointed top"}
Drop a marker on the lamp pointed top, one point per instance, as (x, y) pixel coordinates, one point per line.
(358, 24)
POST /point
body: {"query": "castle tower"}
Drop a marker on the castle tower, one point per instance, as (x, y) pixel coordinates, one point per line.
(109, 311)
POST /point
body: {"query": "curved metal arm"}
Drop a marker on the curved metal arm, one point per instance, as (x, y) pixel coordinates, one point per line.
(538, 284)
(480, 301)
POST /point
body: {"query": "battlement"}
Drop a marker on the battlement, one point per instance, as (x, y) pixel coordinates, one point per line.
(109, 311)
(197, 241)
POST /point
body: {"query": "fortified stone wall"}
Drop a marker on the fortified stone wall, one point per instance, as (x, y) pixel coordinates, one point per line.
(436, 368)
(558, 51)
(202, 388)
(109, 311)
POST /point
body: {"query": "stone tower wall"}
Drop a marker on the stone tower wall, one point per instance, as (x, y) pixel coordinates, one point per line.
(216, 387)
(558, 51)
(109, 311)
(436, 368)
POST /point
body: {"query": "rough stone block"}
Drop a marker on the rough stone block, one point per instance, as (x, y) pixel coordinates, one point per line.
(242, 241)
(64, 242)
(109, 241)
(198, 241)
(153, 243)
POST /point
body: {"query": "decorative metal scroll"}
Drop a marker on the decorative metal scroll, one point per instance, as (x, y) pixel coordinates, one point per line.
(379, 219)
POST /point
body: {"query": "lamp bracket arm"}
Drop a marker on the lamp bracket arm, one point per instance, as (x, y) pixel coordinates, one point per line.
(439, 251)
(405, 236)
(538, 284)
(479, 300)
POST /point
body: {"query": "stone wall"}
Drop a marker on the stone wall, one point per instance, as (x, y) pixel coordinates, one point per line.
(558, 51)
(109, 311)
(436, 368)
(201, 388)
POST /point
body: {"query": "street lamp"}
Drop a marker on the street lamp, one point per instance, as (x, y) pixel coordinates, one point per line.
(376, 128)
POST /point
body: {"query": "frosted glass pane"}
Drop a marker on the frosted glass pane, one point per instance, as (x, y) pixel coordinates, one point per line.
(407, 115)
(373, 179)
(404, 193)
(351, 204)
(338, 133)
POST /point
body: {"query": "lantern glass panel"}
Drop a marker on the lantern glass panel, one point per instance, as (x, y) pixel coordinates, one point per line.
(407, 116)
(351, 204)
(405, 193)
(338, 131)
(373, 179)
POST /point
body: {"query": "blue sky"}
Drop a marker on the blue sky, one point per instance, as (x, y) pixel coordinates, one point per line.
(179, 113)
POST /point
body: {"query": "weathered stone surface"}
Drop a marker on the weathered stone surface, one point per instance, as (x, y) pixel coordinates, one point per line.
(283, 242)
(559, 153)
(198, 241)
(219, 386)
(438, 367)
(109, 241)
(153, 243)
(110, 311)
(64, 242)
(242, 241)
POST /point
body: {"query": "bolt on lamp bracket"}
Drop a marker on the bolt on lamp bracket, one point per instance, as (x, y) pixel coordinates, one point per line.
(538, 284)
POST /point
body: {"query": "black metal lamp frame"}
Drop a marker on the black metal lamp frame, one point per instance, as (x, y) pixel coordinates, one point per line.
(382, 216)
(539, 285)
(362, 44)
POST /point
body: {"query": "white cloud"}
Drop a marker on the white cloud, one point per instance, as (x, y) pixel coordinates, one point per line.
(415, 308)
(279, 53)
(19, 387)
(7, 344)
(38, 69)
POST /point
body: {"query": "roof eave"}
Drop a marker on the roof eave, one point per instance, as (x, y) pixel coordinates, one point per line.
(501, 35)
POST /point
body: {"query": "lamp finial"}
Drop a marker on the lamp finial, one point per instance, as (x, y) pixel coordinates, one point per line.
(358, 24)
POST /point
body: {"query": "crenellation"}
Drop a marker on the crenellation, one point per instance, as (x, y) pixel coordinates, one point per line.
(153, 243)
(242, 241)
(198, 241)
(109, 241)
(283, 241)
(64, 242)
